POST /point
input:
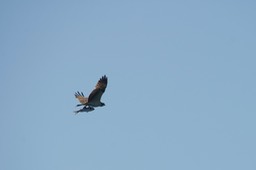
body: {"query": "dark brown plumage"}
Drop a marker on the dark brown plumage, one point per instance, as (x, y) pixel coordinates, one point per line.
(95, 96)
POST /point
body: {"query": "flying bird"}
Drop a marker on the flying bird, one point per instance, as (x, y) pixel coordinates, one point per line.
(94, 99)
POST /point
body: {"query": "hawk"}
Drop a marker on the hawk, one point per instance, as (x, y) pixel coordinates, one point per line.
(94, 98)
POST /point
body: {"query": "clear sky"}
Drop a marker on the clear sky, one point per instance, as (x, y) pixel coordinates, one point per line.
(181, 92)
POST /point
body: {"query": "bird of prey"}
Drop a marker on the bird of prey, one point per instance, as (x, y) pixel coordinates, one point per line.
(94, 98)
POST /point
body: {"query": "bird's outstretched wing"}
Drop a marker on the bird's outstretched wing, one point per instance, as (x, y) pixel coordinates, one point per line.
(100, 88)
(81, 98)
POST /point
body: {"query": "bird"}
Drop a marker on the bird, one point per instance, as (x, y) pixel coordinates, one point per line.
(94, 99)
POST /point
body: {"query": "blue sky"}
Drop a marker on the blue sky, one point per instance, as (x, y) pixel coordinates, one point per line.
(181, 92)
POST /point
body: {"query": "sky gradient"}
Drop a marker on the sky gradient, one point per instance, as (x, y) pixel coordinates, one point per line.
(181, 92)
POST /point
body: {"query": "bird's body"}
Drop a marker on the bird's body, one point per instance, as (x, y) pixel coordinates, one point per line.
(94, 99)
